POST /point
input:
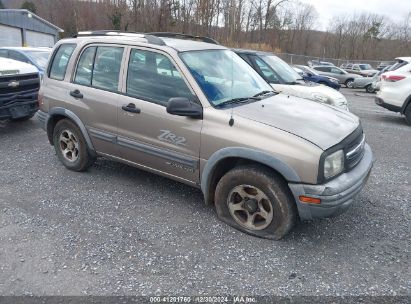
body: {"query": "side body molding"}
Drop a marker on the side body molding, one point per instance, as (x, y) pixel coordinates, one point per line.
(69, 114)
(246, 153)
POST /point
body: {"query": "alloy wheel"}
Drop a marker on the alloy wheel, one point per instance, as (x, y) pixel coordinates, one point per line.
(250, 207)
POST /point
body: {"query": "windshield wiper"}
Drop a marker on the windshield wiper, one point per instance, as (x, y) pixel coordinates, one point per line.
(264, 93)
(237, 100)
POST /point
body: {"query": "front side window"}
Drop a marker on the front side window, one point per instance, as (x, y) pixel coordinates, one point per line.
(153, 77)
(100, 67)
(60, 61)
(223, 75)
(267, 72)
(285, 72)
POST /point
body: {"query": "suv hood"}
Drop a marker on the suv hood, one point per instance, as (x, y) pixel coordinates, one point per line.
(10, 67)
(320, 124)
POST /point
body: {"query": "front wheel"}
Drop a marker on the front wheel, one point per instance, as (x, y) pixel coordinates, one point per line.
(349, 83)
(70, 146)
(369, 89)
(255, 200)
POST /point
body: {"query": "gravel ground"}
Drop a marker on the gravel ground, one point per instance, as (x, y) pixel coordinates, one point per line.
(117, 230)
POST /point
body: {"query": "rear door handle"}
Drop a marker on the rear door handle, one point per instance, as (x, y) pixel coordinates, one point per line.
(131, 107)
(76, 94)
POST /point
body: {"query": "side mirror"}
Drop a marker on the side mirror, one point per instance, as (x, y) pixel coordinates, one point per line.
(182, 106)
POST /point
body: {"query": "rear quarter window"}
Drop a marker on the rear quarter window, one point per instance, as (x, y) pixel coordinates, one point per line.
(60, 60)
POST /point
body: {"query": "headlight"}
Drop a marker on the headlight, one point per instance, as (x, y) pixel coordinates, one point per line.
(319, 97)
(334, 164)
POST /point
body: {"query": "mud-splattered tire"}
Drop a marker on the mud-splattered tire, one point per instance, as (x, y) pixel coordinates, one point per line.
(70, 146)
(255, 200)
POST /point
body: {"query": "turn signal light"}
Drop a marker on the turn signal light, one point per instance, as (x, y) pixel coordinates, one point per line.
(309, 200)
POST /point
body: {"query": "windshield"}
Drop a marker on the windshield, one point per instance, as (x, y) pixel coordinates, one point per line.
(287, 74)
(39, 57)
(223, 75)
(365, 67)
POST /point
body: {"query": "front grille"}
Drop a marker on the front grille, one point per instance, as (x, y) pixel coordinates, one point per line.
(19, 88)
(354, 151)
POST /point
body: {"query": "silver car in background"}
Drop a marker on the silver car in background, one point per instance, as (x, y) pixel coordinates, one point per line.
(332, 71)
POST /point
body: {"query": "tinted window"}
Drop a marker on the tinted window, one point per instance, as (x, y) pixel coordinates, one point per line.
(85, 67)
(107, 66)
(266, 71)
(100, 67)
(60, 61)
(153, 77)
(4, 53)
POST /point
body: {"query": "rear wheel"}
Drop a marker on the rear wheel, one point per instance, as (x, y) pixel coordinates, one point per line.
(369, 89)
(255, 200)
(70, 146)
(408, 114)
(349, 83)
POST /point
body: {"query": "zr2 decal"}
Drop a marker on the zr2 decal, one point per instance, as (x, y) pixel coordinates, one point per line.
(168, 136)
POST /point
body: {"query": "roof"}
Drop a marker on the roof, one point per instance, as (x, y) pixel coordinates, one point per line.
(180, 45)
(183, 45)
(24, 11)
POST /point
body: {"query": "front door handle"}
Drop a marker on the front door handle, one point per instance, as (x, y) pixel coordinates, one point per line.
(131, 107)
(76, 94)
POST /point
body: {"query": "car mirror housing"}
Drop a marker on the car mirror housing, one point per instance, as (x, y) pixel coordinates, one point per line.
(182, 106)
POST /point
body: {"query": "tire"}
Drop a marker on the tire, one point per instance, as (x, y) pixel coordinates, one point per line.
(71, 147)
(407, 114)
(369, 89)
(349, 83)
(24, 118)
(270, 206)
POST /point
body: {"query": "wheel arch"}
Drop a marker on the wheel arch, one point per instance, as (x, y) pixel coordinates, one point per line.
(225, 159)
(57, 114)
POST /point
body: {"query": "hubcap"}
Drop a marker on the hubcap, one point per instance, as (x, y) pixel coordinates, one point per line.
(250, 207)
(69, 145)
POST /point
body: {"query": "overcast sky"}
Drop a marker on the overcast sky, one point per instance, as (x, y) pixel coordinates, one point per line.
(394, 9)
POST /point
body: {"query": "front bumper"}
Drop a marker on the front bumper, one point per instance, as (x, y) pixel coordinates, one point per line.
(336, 195)
(18, 110)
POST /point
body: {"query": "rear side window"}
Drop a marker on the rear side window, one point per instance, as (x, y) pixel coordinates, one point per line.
(153, 77)
(100, 67)
(60, 61)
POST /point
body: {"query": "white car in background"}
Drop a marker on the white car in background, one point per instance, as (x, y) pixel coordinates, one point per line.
(395, 89)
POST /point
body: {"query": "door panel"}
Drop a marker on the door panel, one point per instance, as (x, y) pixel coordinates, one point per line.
(147, 134)
(94, 94)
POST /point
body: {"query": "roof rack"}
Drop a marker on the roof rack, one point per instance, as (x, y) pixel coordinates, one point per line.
(150, 38)
(183, 36)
